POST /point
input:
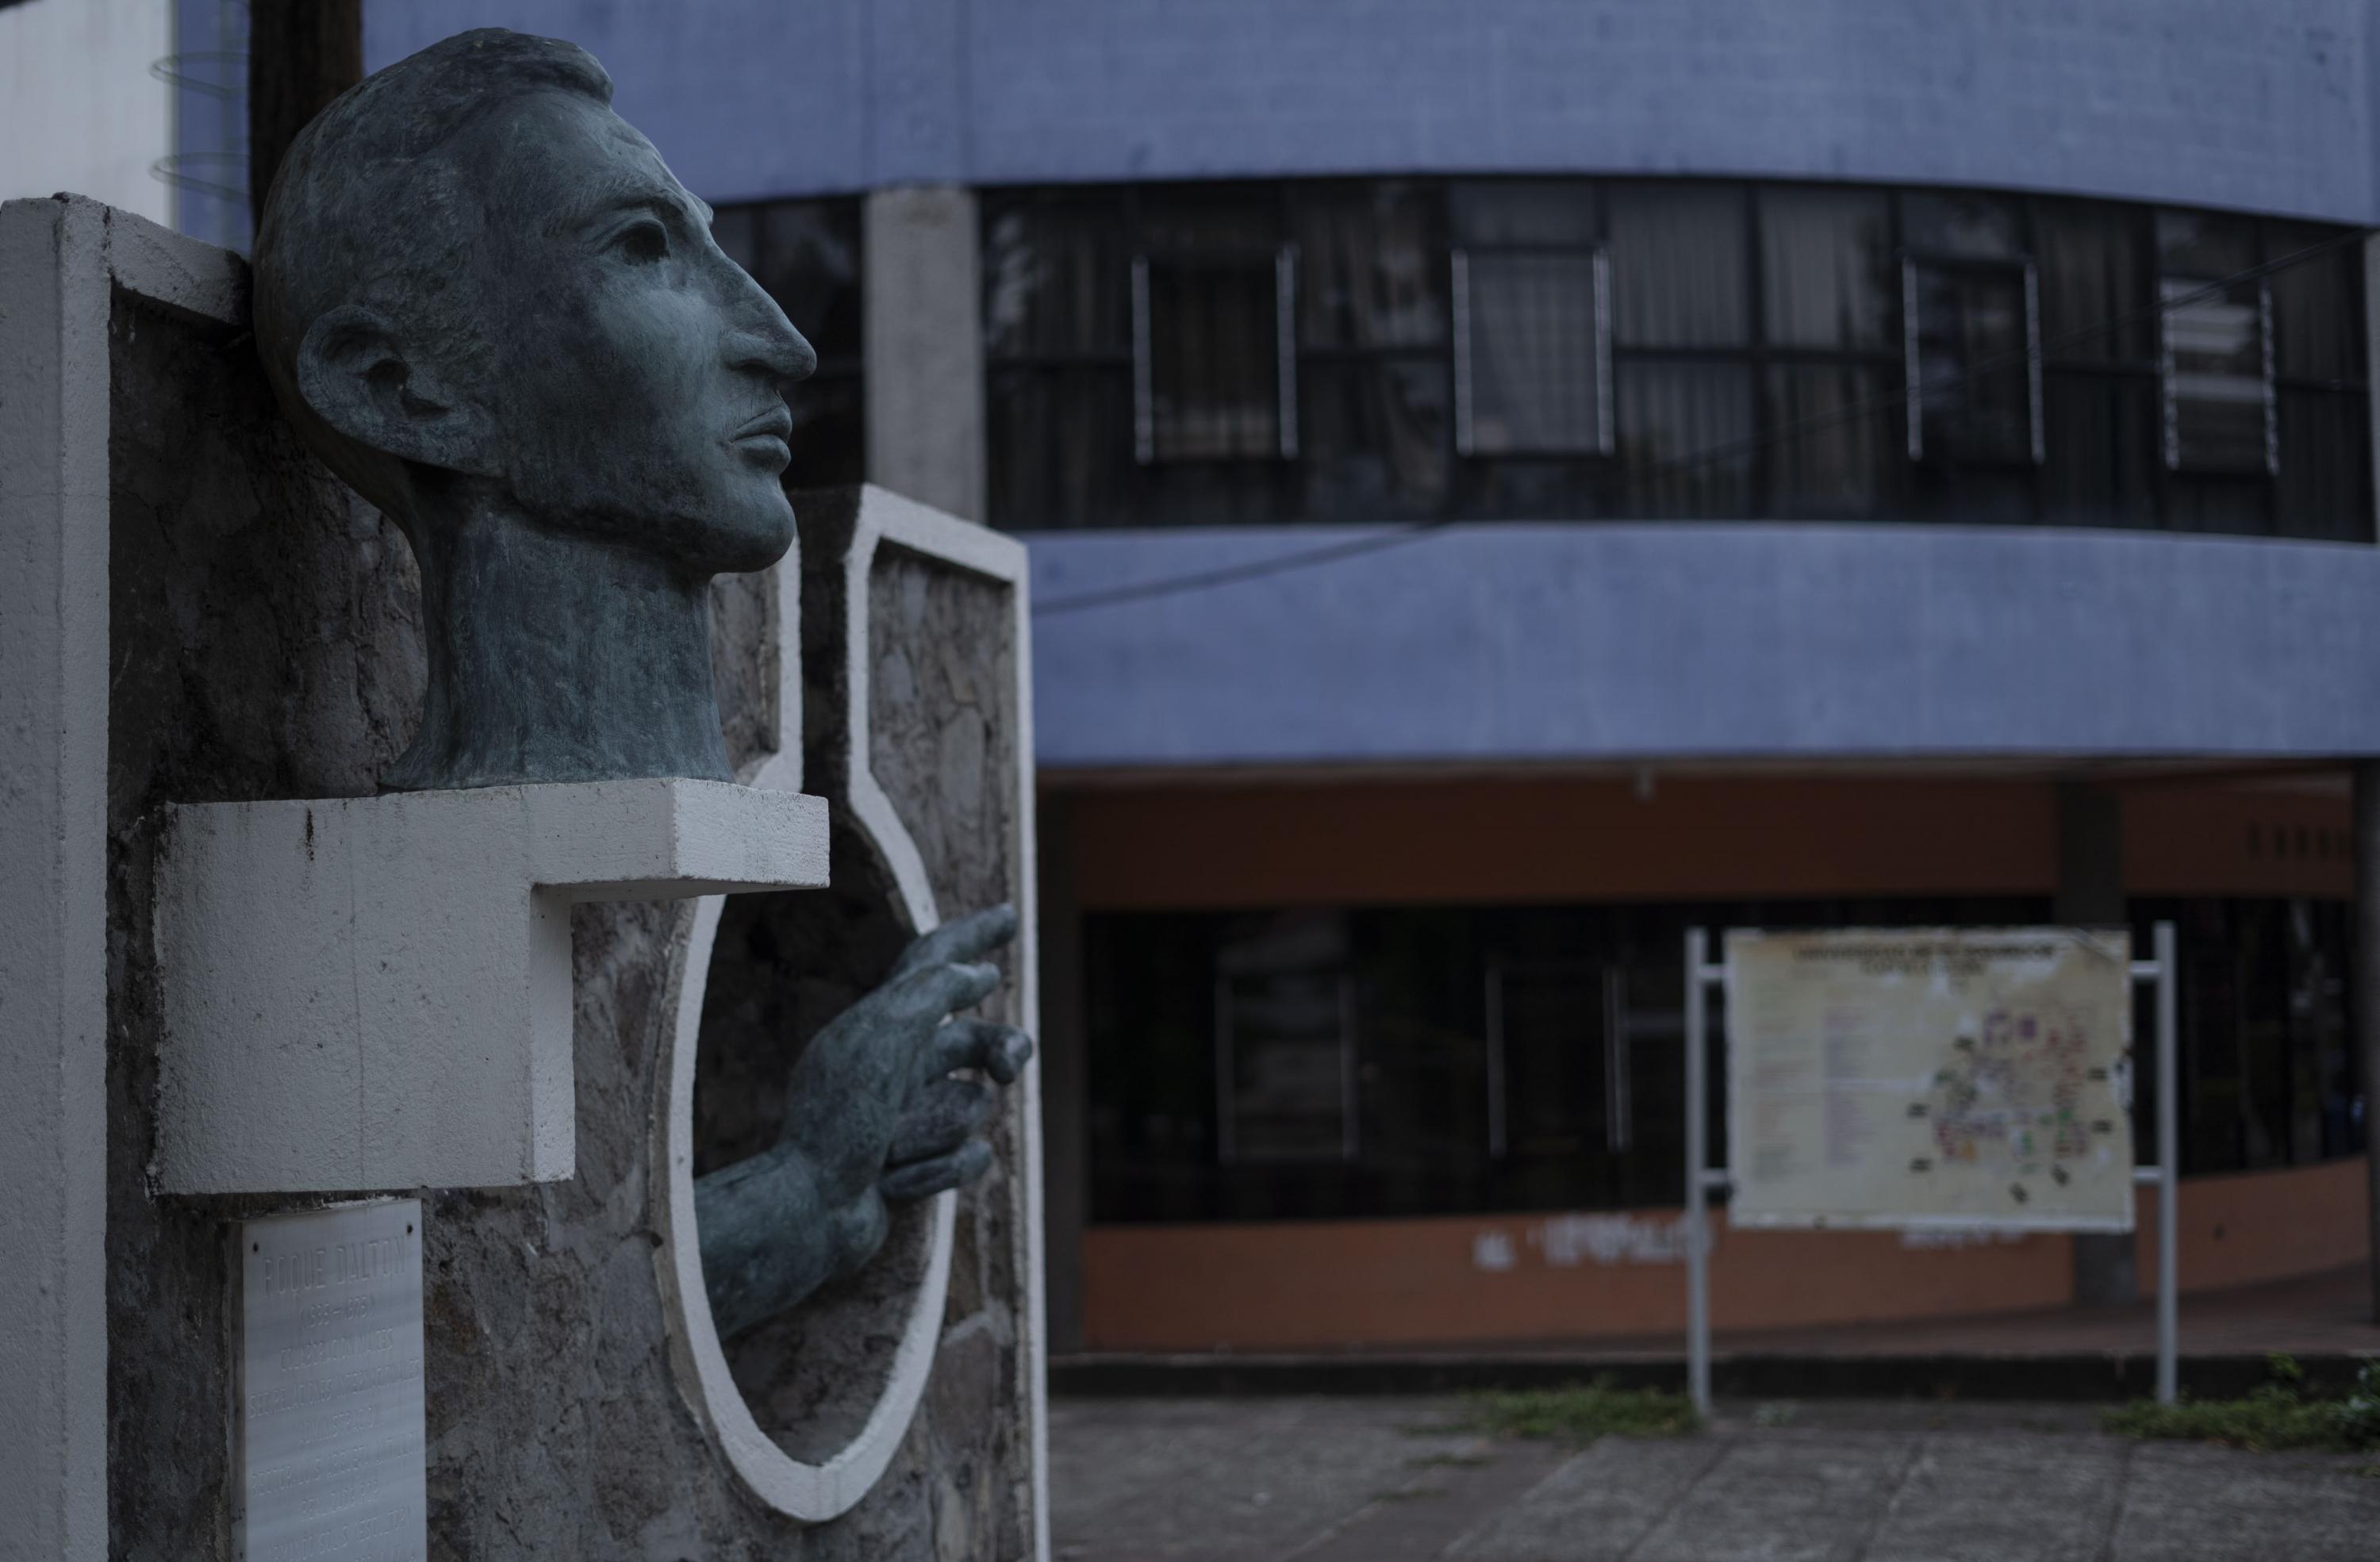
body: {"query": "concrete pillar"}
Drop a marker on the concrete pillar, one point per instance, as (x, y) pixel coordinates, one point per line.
(2366, 990)
(54, 304)
(1065, 1080)
(924, 343)
(2091, 894)
(2371, 365)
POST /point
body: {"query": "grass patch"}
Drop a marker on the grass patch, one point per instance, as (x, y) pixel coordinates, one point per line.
(1582, 1412)
(2272, 1416)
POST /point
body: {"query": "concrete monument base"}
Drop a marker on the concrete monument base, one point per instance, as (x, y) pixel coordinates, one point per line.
(374, 992)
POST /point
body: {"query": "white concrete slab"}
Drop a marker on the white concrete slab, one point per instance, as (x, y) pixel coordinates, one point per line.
(375, 993)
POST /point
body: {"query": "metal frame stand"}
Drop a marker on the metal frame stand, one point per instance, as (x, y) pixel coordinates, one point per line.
(1703, 973)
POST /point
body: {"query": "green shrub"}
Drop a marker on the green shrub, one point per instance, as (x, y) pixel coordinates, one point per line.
(2275, 1415)
(1580, 1412)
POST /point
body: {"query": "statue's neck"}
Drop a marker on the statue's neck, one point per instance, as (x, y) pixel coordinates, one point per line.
(554, 657)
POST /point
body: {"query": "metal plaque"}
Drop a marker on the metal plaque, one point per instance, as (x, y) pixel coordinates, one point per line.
(327, 1432)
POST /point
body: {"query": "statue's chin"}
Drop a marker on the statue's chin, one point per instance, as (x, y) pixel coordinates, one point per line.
(749, 540)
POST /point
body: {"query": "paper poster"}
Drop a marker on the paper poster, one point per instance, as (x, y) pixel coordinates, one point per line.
(1935, 1077)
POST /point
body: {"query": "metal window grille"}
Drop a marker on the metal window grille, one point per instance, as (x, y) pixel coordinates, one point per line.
(1532, 337)
(1165, 430)
(2216, 379)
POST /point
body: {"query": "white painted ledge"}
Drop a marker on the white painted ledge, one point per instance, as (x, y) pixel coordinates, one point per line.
(375, 993)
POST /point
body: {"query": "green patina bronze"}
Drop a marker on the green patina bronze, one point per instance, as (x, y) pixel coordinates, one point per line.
(484, 301)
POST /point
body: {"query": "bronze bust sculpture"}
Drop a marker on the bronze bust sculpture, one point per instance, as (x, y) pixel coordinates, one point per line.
(484, 301)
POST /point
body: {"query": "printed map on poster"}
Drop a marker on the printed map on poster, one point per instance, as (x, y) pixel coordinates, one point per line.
(1935, 1077)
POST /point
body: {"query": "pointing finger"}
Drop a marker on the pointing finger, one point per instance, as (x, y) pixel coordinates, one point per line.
(959, 941)
(938, 990)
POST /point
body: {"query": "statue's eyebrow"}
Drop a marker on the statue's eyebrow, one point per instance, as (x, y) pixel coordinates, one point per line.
(633, 195)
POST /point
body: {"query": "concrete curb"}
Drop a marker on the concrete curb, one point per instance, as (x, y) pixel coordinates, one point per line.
(2083, 1376)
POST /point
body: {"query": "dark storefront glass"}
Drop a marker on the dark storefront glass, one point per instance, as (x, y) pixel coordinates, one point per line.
(1507, 349)
(1380, 1061)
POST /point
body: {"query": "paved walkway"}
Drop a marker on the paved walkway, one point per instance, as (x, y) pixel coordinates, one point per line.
(1377, 1480)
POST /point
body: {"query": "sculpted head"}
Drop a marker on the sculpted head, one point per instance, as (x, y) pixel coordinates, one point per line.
(486, 303)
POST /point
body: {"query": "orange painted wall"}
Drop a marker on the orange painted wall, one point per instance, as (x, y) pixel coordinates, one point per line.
(1511, 840)
(1424, 843)
(2263, 1225)
(2237, 841)
(1327, 1285)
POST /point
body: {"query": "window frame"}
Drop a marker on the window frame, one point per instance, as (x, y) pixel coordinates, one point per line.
(2026, 270)
(2169, 400)
(1284, 259)
(1462, 349)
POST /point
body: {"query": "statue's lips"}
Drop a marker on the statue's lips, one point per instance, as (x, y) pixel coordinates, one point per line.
(770, 433)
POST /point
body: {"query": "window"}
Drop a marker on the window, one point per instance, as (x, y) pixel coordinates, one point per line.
(1214, 298)
(1973, 361)
(1835, 456)
(1058, 341)
(2217, 367)
(1532, 353)
(805, 254)
(1214, 376)
(1393, 350)
(1374, 381)
(2317, 333)
(1826, 268)
(1285, 1043)
(1830, 393)
(2269, 1073)
(1971, 346)
(2101, 398)
(1688, 421)
(1555, 1078)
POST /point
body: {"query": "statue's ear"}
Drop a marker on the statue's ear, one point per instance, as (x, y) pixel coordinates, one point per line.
(362, 379)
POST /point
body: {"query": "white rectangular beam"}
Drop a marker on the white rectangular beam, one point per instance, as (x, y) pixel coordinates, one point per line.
(375, 992)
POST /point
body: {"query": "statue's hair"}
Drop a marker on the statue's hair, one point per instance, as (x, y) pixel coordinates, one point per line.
(367, 208)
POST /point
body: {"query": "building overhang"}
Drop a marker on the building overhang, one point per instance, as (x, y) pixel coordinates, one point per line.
(1705, 643)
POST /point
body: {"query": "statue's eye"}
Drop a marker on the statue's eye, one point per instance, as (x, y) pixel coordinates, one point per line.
(645, 242)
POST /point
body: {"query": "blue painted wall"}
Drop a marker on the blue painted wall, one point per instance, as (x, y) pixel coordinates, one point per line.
(1497, 643)
(2262, 105)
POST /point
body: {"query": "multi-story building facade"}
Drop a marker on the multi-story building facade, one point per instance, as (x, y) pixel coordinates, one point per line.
(1509, 482)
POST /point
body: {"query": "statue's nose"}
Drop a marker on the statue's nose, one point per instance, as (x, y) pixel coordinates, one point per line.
(764, 340)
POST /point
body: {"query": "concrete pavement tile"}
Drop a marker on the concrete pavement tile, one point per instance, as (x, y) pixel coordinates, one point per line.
(1227, 1481)
(1595, 1506)
(2184, 1504)
(1784, 1498)
(1441, 1498)
(2000, 1497)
